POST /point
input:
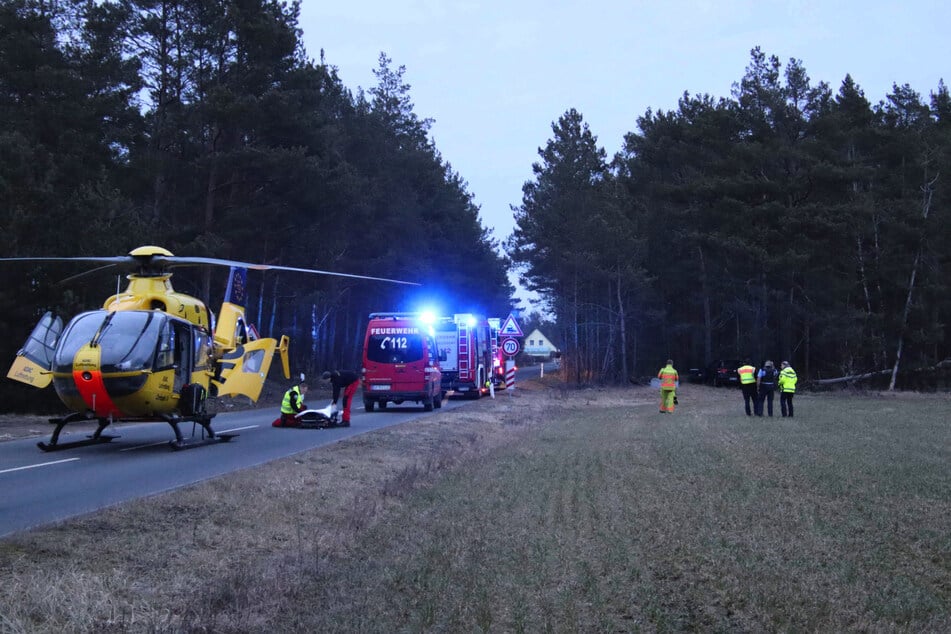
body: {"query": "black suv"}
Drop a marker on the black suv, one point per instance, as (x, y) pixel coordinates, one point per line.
(723, 372)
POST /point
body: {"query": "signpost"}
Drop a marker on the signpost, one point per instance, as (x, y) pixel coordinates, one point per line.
(510, 328)
(510, 347)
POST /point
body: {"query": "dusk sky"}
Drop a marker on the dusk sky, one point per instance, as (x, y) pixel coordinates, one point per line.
(494, 75)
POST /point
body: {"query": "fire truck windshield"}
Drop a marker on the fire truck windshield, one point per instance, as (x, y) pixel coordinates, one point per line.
(399, 348)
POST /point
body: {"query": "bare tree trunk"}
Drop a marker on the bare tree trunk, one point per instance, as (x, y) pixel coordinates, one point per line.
(904, 321)
(928, 192)
(707, 318)
(575, 327)
(622, 326)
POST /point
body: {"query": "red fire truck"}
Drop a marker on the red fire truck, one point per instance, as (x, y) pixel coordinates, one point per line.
(400, 362)
(467, 349)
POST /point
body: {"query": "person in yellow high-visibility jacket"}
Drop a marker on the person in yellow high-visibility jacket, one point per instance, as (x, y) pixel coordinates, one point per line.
(668, 387)
(787, 388)
(747, 374)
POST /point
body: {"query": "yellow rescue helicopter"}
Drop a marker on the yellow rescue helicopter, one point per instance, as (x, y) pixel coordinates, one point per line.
(150, 353)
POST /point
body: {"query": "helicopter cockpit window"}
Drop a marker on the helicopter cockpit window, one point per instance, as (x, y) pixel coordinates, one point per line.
(126, 339)
(78, 333)
(129, 341)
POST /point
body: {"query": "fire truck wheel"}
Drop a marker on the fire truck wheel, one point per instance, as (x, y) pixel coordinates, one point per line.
(368, 405)
(437, 401)
(428, 403)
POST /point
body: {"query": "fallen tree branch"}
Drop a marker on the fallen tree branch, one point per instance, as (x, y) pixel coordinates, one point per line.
(853, 377)
(941, 365)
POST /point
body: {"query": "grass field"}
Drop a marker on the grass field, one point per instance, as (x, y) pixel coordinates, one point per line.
(556, 510)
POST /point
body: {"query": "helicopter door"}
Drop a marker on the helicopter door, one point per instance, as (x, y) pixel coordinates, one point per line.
(183, 355)
(34, 360)
(242, 371)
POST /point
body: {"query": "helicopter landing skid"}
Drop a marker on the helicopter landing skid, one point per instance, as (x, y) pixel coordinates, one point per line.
(91, 440)
(208, 435)
(97, 438)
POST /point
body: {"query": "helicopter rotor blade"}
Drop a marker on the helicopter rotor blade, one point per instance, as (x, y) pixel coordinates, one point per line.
(113, 259)
(184, 261)
(98, 269)
(157, 260)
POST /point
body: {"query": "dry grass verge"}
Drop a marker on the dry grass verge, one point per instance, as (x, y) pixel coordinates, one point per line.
(554, 510)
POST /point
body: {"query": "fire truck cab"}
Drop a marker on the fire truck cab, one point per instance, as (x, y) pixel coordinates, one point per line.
(466, 346)
(400, 362)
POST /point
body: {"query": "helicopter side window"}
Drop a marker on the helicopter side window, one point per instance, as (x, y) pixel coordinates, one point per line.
(165, 350)
(202, 350)
(240, 332)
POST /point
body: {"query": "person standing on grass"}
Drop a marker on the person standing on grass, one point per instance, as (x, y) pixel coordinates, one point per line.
(766, 380)
(787, 388)
(668, 387)
(747, 374)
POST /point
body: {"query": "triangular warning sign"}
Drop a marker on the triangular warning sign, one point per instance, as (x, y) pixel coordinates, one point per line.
(510, 328)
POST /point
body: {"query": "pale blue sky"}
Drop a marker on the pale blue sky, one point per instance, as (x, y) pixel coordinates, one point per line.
(495, 74)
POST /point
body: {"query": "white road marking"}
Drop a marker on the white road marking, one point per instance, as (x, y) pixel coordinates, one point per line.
(41, 464)
(228, 431)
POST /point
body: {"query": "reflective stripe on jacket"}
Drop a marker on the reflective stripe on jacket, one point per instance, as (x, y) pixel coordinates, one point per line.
(787, 380)
(668, 377)
(746, 373)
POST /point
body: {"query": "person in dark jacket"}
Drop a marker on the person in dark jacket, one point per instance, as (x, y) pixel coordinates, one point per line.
(766, 380)
(348, 382)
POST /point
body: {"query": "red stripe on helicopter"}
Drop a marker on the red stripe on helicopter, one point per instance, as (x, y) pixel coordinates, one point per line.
(93, 391)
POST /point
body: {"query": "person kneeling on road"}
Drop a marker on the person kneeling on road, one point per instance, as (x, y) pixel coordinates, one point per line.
(348, 382)
(292, 404)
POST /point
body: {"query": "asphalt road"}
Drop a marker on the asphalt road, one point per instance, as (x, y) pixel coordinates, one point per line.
(38, 488)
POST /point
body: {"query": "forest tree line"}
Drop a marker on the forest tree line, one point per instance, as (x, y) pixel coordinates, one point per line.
(203, 126)
(787, 221)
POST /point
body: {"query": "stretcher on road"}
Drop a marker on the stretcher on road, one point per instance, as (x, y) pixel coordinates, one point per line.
(314, 419)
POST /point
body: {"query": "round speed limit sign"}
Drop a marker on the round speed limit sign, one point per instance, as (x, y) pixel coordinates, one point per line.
(510, 347)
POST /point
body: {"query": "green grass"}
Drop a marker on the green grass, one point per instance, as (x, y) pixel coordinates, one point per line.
(623, 521)
(578, 511)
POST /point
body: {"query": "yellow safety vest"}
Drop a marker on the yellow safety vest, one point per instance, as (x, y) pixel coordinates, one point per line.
(293, 393)
(746, 373)
(668, 377)
(787, 380)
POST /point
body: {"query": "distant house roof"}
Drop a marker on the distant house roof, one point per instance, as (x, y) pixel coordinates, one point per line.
(538, 345)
